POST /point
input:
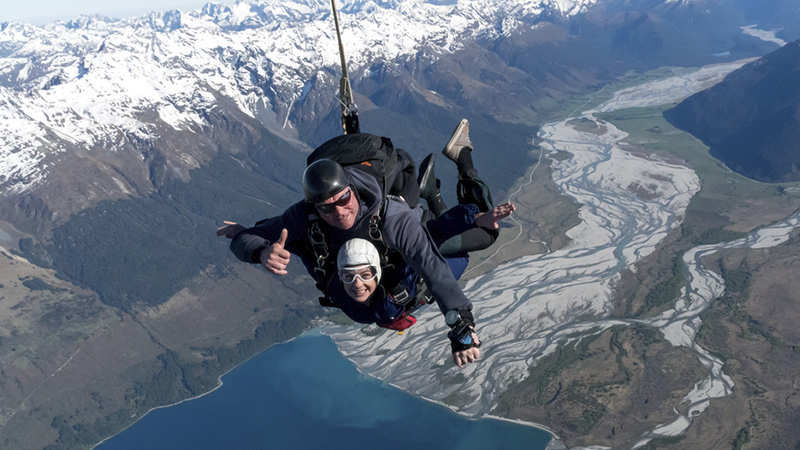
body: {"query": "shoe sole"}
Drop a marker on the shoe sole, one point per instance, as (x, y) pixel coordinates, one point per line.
(427, 166)
(448, 150)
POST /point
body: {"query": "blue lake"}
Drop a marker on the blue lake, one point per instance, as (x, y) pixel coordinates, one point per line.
(304, 394)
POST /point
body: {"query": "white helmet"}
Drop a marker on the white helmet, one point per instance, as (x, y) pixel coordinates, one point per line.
(359, 252)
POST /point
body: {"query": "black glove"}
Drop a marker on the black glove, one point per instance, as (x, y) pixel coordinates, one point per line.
(462, 324)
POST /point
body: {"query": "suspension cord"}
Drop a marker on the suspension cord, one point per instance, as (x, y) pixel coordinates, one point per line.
(349, 110)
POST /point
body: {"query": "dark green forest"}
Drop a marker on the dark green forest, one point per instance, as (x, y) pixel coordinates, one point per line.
(144, 250)
(173, 380)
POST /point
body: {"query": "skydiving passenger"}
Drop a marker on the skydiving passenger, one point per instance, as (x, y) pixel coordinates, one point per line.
(360, 293)
(343, 203)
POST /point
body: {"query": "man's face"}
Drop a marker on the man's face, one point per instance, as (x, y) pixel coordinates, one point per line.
(340, 210)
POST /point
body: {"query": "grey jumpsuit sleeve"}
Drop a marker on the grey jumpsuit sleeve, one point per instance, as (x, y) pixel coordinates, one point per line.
(247, 245)
(403, 232)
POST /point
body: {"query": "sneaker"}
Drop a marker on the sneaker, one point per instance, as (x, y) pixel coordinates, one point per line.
(427, 181)
(459, 140)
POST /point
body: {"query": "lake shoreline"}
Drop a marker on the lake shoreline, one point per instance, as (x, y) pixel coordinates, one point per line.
(219, 384)
(335, 399)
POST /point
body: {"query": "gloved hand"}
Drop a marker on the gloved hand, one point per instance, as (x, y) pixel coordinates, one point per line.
(463, 339)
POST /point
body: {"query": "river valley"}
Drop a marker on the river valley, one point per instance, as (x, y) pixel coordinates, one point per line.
(529, 307)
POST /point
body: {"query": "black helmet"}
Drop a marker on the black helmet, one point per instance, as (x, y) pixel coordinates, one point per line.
(323, 179)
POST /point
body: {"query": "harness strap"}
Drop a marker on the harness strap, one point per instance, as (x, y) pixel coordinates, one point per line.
(326, 266)
(325, 262)
(376, 237)
(319, 244)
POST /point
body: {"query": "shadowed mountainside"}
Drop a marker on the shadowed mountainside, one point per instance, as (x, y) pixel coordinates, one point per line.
(751, 120)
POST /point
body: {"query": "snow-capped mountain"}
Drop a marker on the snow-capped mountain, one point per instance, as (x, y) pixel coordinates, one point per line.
(97, 84)
(126, 105)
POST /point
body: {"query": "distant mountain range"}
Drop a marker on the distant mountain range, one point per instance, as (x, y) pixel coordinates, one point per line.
(125, 106)
(751, 120)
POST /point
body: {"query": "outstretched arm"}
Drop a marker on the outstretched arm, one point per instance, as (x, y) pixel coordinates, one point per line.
(269, 243)
(274, 258)
(404, 233)
(230, 229)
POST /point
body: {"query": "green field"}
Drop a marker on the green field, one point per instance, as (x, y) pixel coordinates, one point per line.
(727, 201)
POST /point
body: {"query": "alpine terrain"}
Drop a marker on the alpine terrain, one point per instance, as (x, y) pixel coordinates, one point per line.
(124, 144)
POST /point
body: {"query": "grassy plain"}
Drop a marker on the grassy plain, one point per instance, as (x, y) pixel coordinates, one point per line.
(576, 105)
(726, 200)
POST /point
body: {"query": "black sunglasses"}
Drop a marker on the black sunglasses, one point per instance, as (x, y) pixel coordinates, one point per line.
(327, 208)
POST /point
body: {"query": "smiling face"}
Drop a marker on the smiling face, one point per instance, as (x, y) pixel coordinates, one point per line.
(359, 282)
(340, 210)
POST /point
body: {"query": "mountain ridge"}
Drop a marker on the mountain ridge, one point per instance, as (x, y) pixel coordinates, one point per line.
(750, 120)
(274, 61)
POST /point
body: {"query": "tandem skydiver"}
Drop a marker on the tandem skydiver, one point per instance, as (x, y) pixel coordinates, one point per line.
(351, 204)
(366, 296)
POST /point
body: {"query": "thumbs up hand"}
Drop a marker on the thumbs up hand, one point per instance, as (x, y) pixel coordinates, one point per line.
(275, 258)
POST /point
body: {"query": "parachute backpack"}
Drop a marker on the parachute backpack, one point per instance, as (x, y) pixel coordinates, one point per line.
(376, 156)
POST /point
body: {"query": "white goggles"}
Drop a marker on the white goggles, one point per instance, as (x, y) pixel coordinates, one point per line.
(349, 275)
